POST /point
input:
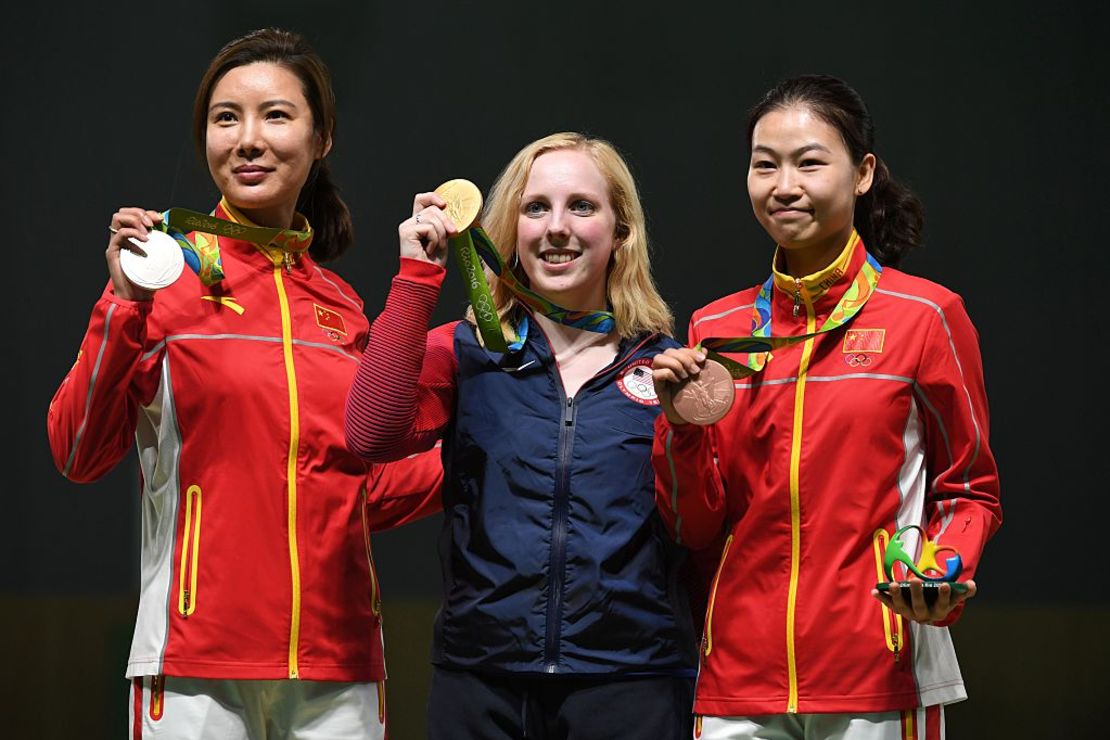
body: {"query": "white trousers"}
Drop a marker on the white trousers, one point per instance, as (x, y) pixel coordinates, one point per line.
(923, 723)
(174, 708)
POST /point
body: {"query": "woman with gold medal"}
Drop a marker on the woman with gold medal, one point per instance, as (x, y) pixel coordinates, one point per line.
(563, 612)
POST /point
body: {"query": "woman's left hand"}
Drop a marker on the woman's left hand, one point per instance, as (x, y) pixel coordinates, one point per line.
(426, 235)
(915, 607)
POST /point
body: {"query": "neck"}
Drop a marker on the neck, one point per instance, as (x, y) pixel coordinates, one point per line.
(565, 338)
(278, 217)
(799, 262)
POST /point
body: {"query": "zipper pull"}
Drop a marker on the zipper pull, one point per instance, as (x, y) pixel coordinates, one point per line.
(896, 640)
(568, 417)
(185, 604)
(797, 296)
(288, 260)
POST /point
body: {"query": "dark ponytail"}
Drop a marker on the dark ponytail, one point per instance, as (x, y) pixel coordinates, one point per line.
(319, 198)
(331, 223)
(889, 217)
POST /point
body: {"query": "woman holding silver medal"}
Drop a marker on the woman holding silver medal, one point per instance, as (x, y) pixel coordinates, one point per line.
(255, 561)
(563, 614)
(875, 423)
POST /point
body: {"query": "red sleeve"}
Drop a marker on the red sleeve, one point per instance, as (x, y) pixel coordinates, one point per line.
(688, 489)
(405, 490)
(962, 506)
(91, 419)
(403, 394)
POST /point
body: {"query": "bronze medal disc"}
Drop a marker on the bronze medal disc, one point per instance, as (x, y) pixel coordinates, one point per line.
(464, 202)
(706, 397)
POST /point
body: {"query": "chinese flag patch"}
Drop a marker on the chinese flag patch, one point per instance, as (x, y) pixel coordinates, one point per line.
(864, 340)
(328, 319)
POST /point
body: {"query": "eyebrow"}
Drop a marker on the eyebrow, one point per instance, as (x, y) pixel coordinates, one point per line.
(800, 150)
(576, 195)
(265, 104)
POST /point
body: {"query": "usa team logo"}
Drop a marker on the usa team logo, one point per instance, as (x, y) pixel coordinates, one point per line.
(635, 382)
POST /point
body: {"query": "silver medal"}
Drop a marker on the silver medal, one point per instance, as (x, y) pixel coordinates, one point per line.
(161, 266)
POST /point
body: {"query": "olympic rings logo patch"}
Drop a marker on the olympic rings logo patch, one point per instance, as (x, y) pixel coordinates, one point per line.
(858, 360)
(636, 383)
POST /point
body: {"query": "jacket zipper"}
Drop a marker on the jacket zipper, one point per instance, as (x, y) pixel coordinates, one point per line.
(892, 623)
(190, 554)
(291, 474)
(559, 533)
(561, 506)
(795, 503)
(707, 633)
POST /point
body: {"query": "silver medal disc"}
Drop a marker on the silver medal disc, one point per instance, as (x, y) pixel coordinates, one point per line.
(161, 266)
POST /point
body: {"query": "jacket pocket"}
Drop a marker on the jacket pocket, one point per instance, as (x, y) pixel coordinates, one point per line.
(893, 632)
(375, 593)
(707, 634)
(190, 553)
(157, 697)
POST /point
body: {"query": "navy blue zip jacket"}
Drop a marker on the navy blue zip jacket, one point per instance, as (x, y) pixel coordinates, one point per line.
(553, 555)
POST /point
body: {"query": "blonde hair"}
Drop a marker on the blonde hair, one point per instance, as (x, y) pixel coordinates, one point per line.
(630, 289)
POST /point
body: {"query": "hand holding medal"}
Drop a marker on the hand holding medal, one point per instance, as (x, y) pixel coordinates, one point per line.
(692, 388)
(449, 214)
(438, 217)
(147, 257)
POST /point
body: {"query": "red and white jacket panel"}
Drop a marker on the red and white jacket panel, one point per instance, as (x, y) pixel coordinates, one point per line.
(837, 443)
(256, 520)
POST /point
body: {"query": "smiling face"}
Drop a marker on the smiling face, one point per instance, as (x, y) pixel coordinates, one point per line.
(803, 186)
(566, 229)
(260, 142)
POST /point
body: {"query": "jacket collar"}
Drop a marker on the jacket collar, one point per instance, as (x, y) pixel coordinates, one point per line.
(275, 253)
(824, 288)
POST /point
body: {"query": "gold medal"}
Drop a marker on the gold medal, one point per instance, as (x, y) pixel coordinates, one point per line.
(464, 202)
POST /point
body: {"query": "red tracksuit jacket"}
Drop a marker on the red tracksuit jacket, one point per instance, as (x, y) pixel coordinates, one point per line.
(255, 559)
(840, 440)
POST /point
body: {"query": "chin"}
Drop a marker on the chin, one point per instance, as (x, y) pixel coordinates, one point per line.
(248, 201)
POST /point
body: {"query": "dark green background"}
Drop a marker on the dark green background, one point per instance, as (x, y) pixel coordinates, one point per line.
(994, 112)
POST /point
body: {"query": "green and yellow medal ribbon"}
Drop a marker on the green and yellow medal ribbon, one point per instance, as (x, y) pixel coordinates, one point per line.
(762, 341)
(203, 256)
(473, 247)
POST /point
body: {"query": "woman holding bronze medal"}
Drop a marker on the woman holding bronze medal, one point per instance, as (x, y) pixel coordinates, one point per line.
(255, 556)
(859, 415)
(562, 612)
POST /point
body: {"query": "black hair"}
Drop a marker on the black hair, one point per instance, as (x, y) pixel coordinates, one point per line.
(319, 199)
(889, 217)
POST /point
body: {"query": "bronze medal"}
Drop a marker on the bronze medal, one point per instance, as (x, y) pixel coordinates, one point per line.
(464, 202)
(705, 398)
